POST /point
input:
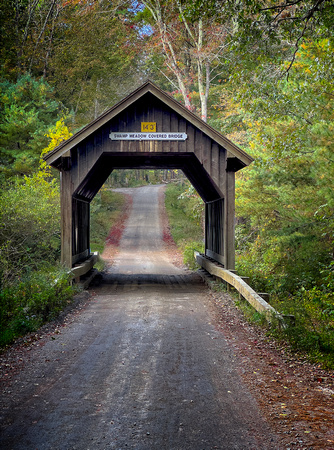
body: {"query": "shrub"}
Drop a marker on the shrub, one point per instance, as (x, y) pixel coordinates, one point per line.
(188, 253)
(106, 209)
(29, 226)
(33, 300)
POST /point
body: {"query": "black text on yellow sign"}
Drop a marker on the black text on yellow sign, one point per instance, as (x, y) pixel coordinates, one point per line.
(148, 127)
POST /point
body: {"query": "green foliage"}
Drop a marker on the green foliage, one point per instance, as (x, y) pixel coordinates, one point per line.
(314, 313)
(193, 204)
(260, 24)
(29, 225)
(32, 291)
(285, 199)
(139, 177)
(33, 300)
(27, 110)
(188, 253)
(185, 226)
(106, 208)
(142, 177)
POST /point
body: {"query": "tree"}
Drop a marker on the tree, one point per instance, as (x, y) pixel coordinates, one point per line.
(191, 48)
(83, 49)
(94, 61)
(265, 20)
(28, 109)
(266, 34)
(29, 225)
(27, 32)
(286, 198)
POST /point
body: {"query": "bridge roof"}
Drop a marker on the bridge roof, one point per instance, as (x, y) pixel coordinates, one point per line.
(233, 150)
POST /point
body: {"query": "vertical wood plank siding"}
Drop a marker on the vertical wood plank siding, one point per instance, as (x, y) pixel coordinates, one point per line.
(80, 230)
(214, 232)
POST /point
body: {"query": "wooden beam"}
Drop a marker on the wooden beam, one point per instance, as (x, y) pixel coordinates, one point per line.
(66, 189)
(229, 218)
(81, 269)
(241, 286)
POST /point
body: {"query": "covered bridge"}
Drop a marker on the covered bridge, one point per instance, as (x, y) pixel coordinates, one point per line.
(148, 129)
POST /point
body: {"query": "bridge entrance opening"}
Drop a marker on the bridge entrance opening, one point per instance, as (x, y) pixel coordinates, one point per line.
(175, 191)
(148, 130)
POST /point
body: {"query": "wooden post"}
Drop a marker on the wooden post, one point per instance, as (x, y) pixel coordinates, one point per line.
(229, 218)
(66, 189)
(206, 220)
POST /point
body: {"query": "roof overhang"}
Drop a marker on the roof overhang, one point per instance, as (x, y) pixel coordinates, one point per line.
(240, 157)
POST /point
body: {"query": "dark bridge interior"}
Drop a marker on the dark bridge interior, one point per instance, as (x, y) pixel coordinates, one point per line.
(187, 162)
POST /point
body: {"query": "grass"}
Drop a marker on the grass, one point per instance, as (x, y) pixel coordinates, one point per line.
(185, 229)
(106, 209)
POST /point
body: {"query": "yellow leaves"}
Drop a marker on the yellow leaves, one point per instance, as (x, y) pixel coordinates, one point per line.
(57, 134)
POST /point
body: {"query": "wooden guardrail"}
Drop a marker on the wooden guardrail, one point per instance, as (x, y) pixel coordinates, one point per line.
(241, 286)
(84, 267)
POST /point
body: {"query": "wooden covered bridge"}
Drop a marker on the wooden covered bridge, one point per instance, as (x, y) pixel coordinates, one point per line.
(148, 129)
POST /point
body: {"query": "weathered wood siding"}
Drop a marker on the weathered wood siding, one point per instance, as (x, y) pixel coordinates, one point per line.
(214, 230)
(149, 109)
(80, 230)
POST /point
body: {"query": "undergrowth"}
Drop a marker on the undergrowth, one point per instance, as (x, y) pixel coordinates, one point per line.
(312, 304)
(306, 335)
(33, 300)
(313, 310)
(316, 345)
(106, 208)
(185, 227)
(313, 333)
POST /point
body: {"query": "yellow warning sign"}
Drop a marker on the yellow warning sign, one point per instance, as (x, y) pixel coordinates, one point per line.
(148, 127)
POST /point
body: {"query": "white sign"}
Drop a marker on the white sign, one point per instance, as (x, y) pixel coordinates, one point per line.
(116, 136)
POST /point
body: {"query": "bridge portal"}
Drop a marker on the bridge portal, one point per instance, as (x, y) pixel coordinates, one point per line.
(148, 129)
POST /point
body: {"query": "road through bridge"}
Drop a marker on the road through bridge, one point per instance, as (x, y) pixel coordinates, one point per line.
(152, 361)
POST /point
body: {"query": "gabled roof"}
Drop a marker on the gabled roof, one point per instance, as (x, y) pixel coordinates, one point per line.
(148, 86)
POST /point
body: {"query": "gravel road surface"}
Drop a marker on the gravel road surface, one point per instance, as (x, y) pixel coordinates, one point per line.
(140, 366)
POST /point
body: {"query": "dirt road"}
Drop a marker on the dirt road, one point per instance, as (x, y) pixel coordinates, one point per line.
(140, 366)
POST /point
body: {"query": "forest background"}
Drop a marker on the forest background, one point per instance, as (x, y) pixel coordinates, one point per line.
(259, 71)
